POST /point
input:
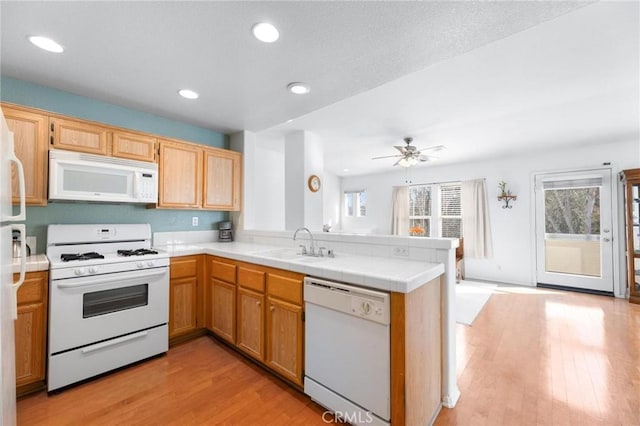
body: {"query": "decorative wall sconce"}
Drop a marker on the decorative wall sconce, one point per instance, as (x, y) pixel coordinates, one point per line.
(505, 195)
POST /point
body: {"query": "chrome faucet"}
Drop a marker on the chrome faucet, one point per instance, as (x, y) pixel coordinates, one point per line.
(312, 248)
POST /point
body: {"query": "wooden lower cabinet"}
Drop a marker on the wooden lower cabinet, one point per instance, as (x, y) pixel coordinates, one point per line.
(250, 317)
(31, 332)
(222, 317)
(285, 339)
(185, 274)
(182, 310)
(259, 310)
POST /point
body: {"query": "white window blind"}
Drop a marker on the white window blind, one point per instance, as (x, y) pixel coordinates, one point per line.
(450, 211)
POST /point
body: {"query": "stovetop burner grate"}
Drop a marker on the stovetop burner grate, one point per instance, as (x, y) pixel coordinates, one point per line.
(66, 257)
(138, 252)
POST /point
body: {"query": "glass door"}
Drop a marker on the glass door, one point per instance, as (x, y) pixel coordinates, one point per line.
(573, 230)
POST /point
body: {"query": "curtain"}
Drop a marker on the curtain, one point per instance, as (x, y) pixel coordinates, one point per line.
(400, 213)
(475, 219)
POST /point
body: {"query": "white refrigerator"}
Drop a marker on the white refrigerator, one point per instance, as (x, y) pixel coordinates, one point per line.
(9, 288)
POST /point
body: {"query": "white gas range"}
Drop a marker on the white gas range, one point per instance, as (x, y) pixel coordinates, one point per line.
(108, 299)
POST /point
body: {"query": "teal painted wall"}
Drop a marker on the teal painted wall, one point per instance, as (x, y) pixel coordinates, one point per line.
(33, 95)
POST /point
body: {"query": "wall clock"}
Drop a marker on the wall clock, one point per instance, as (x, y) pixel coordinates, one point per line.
(314, 183)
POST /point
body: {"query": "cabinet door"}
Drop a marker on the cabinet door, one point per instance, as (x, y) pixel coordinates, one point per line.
(30, 139)
(180, 171)
(284, 339)
(221, 301)
(182, 305)
(31, 329)
(133, 146)
(250, 337)
(80, 136)
(30, 348)
(222, 176)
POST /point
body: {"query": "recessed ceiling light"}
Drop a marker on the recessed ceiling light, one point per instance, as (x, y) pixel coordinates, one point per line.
(47, 44)
(289, 120)
(265, 32)
(189, 94)
(345, 170)
(299, 88)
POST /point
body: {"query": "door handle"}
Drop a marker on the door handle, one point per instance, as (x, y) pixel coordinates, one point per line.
(606, 240)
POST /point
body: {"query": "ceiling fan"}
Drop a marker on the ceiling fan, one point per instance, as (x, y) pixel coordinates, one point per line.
(410, 155)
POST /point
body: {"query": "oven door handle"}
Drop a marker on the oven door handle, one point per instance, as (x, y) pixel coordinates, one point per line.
(97, 280)
(113, 342)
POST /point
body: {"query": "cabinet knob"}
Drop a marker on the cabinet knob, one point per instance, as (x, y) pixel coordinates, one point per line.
(273, 308)
(258, 303)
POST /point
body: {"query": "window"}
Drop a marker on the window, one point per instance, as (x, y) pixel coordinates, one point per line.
(355, 203)
(434, 210)
(450, 212)
(420, 210)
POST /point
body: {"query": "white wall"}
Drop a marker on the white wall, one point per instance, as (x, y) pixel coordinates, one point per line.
(514, 256)
(331, 199)
(268, 184)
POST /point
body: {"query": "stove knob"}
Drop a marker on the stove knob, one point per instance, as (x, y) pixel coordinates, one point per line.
(93, 269)
(79, 271)
(140, 265)
(150, 263)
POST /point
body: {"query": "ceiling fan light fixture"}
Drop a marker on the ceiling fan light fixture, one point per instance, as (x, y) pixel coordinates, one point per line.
(298, 88)
(46, 43)
(265, 32)
(404, 162)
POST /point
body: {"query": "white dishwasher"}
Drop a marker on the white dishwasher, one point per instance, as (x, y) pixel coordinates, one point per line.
(347, 350)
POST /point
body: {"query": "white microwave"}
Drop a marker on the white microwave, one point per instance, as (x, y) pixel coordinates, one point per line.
(87, 177)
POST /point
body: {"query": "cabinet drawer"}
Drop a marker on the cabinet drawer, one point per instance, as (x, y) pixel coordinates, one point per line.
(251, 278)
(285, 286)
(182, 268)
(223, 271)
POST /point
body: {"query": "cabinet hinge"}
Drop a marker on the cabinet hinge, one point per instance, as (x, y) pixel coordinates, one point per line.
(303, 316)
(51, 140)
(52, 127)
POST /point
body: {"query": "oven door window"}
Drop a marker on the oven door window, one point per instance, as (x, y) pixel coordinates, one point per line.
(118, 299)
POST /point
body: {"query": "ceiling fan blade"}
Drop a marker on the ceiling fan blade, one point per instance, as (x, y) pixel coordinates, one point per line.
(435, 148)
(387, 156)
(424, 158)
(397, 162)
(402, 149)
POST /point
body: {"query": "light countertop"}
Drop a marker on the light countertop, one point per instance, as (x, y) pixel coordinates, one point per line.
(37, 262)
(389, 274)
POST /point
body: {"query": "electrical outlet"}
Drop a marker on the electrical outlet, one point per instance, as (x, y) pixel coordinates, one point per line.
(401, 251)
(194, 221)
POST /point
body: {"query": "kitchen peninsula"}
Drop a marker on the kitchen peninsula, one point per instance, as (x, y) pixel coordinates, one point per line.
(422, 329)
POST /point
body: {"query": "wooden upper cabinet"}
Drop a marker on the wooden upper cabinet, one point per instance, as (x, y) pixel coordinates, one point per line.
(222, 177)
(180, 177)
(30, 139)
(197, 177)
(76, 135)
(133, 146)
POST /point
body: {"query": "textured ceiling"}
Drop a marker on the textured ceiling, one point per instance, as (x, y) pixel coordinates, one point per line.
(482, 78)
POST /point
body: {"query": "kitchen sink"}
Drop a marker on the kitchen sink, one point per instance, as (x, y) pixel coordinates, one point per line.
(292, 255)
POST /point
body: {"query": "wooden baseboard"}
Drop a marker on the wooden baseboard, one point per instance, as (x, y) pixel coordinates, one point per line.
(187, 336)
(30, 388)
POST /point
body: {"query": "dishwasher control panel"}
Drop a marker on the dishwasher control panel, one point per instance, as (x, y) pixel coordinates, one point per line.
(367, 307)
(359, 302)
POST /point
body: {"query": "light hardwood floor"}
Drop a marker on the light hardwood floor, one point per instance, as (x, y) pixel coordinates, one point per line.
(546, 357)
(532, 357)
